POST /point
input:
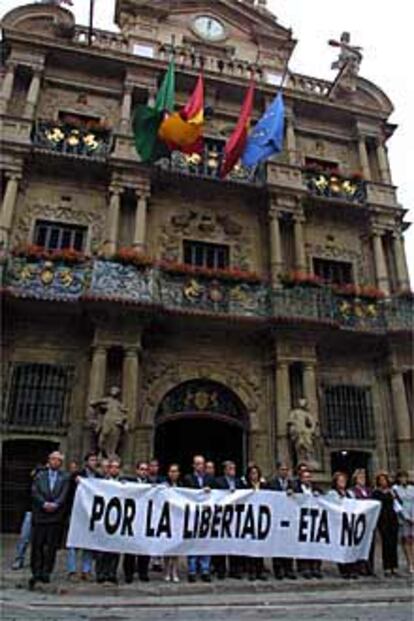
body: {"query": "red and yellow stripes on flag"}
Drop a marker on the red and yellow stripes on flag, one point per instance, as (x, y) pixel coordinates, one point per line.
(234, 147)
(183, 130)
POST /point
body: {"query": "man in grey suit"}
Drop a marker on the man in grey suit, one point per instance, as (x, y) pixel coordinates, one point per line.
(49, 492)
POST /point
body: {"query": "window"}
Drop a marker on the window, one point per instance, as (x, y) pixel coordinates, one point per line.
(349, 414)
(59, 236)
(38, 395)
(200, 254)
(338, 272)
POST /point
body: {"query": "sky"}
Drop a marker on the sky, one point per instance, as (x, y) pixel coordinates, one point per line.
(383, 28)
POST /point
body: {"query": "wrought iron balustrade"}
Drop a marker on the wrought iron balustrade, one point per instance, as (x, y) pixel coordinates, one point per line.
(209, 294)
(70, 140)
(208, 164)
(188, 291)
(333, 186)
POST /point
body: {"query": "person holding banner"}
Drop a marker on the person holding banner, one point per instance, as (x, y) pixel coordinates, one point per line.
(199, 479)
(140, 562)
(255, 566)
(281, 482)
(231, 482)
(304, 485)
(361, 491)
(387, 523)
(339, 492)
(171, 562)
(106, 565)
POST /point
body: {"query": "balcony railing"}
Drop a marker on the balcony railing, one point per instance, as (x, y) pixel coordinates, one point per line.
(175, 291)
(69, 140)
(333, 186)
(207, 165)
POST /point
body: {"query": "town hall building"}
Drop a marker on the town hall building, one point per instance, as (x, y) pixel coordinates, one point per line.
(216, 306)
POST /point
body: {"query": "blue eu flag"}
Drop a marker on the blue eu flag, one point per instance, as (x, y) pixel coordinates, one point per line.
(266, 138)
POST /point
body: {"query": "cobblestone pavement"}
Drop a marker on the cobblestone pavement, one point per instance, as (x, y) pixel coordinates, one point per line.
(329, 600)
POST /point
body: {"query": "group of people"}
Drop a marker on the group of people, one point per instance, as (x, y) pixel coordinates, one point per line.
(53, 491)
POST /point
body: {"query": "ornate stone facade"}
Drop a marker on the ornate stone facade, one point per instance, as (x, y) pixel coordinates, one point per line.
(311, 298)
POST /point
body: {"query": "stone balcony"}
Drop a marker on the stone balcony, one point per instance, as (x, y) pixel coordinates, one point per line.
(65, 139)
(336, 187)
(221, 296)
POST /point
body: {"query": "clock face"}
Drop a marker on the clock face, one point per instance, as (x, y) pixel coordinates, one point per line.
(208, 28)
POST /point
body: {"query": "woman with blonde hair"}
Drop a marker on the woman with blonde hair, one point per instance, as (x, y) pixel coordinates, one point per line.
(362, 491)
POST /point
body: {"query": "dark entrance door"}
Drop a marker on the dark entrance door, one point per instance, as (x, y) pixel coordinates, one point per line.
(349, 461)
(201, 417)
(179, 440)
(18, 460)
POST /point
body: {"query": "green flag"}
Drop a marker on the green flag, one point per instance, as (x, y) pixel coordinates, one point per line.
(147, 120)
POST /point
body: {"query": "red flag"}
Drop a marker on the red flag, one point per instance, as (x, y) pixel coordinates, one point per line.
(237, 141)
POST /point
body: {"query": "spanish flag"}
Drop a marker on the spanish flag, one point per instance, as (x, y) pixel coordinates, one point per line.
(235, 145)
(183, 130)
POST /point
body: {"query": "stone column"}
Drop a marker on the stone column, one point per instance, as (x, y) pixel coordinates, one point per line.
(112, 223)
(380, 263)
(8, 207)
(140, 233)
(291, 139)
(276, 260)
(383, 162)
(300, 257)
(403, 277)
(310, 387)
(126, 108)
(33, 94)
(402, 421)
(7, 87)
(282, 410)
(130, 388)
(97, 374)
(363, 158)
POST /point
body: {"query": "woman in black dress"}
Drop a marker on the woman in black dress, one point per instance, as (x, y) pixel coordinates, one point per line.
(387, 523)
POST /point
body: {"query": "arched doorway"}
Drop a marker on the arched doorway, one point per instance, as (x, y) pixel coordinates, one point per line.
(348, 461)
(201, 416)
(19, 457)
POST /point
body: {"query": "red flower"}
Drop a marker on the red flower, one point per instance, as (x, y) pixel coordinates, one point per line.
(38, 253)
(131, 256)
(229, 274)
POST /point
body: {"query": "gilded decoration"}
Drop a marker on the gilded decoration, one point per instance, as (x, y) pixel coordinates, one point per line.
(47, 280)
(206, 225)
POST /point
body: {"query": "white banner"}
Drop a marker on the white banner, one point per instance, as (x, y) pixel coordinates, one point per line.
(159, 520)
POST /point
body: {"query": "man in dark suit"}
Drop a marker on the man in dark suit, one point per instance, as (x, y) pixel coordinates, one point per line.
(137, 562)
(199, 480)
(281, 482)
(231, 482)
(106, 565)
(49, 492)
(304, 485)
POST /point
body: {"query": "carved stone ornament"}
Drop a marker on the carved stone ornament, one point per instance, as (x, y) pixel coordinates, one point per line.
(94, 220)
(161, 376)
(206, 225)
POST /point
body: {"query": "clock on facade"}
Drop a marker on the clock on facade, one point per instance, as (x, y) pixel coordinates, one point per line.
(209, 28)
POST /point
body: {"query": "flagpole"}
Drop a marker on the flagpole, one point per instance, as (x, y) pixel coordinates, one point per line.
(91, 15)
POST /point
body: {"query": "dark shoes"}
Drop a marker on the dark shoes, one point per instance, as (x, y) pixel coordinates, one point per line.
(317, 574)
(144, 577)
(235, 576)
(192, 578)
(129, 579)
(291, 576)
(205, 577)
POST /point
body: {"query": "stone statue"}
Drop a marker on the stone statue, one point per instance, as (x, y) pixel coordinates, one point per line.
(110, 421)
(303, 432)
(350, 54)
